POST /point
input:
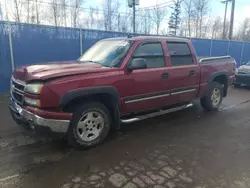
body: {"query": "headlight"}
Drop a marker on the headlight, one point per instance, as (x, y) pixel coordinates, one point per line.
(34, 88)
(32, 102)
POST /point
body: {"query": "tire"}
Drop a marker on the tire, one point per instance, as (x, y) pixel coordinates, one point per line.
(87, 120)
(210, 102)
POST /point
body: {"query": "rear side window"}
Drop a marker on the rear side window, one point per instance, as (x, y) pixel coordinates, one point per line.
(180, 53)
(152, 53)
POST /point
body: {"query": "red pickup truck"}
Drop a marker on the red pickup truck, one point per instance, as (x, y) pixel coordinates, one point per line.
(118, 80)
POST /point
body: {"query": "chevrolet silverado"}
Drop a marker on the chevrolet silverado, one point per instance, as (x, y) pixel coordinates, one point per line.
(118, 80)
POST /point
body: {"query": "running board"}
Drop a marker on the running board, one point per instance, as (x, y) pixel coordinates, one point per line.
(154, 114)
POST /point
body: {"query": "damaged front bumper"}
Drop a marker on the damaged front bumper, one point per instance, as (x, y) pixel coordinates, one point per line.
(34, 121)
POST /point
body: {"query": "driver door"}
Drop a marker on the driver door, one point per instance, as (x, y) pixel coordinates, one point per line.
(147, 87)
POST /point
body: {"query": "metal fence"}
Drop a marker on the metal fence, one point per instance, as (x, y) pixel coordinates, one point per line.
(25, 44)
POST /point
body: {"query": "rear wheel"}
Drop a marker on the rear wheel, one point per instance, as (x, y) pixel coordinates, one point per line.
(90, 125)
(213, 99)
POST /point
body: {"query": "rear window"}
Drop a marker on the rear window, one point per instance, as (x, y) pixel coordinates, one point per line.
(180, 53)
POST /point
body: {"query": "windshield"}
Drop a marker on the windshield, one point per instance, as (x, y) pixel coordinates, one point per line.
(108, 53)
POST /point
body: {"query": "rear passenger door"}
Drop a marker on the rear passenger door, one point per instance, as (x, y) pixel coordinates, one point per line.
(184, 73)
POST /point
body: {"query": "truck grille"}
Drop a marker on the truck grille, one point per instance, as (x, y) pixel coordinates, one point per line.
(17, 91)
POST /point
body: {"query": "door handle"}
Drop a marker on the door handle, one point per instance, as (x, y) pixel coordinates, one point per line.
(165, 75)
(192, 73)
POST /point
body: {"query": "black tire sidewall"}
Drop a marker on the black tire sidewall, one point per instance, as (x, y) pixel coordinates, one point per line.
(206, 102)
(73, 137)
(218, 86)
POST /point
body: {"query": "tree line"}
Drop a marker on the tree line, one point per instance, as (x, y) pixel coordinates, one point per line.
(188, 18)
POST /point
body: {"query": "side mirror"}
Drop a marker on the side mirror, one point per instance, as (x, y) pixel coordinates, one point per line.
(137, 63)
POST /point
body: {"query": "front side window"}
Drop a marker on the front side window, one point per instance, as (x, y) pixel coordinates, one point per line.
(179, 53)
(108, 53)
(152, 53)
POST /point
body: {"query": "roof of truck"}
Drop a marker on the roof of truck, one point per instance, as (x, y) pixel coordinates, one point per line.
(138, 38)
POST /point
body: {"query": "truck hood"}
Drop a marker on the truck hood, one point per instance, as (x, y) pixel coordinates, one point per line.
(57, 69)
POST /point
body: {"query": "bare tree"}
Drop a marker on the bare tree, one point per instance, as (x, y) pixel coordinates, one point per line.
(75, 11)
(227, 25)
(91, 16)
(99, 19)
(201, 10)
(158, 15)
(32, 17)
(139, 21)
(17, 10)
(217, 28)
(244, 30)
(28, 11)
(119, 22)
(183, 29)
(110, 9)
(1, 12)
(188, 9)
(146, 21)
(64, 4)
(37, 12)
(55, 11)
(164, 32)
(124, 23)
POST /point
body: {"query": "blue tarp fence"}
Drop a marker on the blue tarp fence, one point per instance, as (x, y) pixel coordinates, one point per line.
(26, 44)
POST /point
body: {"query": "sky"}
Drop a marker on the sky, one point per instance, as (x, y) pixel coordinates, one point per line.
(242, 7)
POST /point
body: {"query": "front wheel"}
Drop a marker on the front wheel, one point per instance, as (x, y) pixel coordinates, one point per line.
(213, 99)
(90, 125)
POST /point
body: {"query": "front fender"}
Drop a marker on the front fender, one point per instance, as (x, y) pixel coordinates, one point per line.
(83, 92)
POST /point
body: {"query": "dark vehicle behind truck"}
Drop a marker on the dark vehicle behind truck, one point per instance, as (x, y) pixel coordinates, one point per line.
(242, 76)
(118, 80)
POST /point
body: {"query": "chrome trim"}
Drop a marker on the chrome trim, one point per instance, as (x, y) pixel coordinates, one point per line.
(154, 114)
(214, 58)
(159, 96)
(184, 91)
(18, 91)
(18, 81)
(13, 109)
(60, 126)
(146, 98)
(17, 101)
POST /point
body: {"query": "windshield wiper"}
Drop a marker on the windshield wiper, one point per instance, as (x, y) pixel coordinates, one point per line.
(90, 61)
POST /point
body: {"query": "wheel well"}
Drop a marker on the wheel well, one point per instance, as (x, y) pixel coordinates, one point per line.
(222, 79)
(108, 100)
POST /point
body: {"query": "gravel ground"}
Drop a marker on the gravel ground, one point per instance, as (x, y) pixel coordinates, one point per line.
(189, 148)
